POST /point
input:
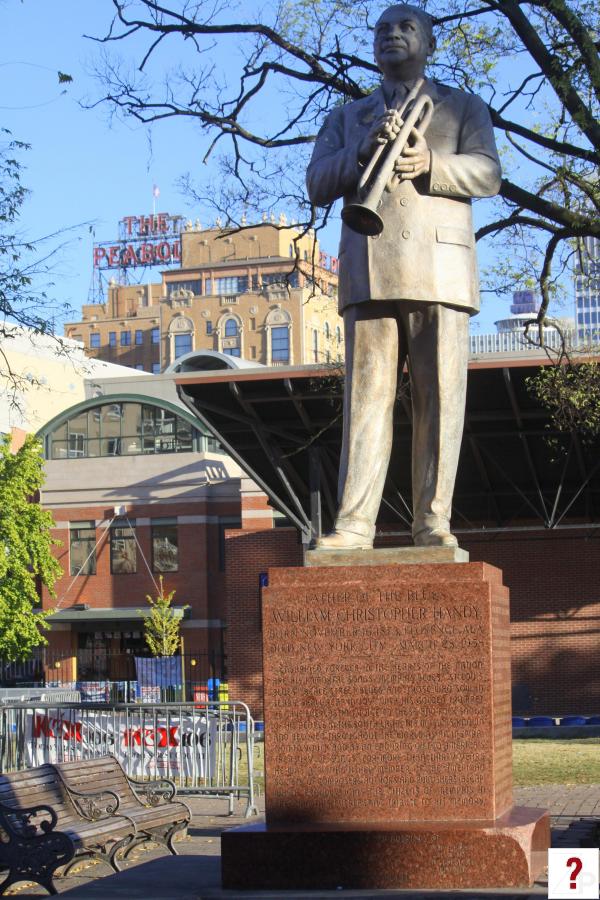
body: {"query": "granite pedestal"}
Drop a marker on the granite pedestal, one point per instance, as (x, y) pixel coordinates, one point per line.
(387, 735)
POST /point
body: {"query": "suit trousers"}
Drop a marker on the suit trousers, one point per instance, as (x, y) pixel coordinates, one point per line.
(380, 336)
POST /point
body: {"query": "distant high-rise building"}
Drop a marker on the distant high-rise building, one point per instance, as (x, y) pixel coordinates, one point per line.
(587, 291)
(510, 334)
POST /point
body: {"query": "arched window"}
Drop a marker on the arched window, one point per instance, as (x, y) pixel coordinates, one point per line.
(181, 337)
(292, 254)
(338, 334)
(327, 331)
(121, 429)
(280, 343)
(231, 328)
(278, 323)
(183, 344)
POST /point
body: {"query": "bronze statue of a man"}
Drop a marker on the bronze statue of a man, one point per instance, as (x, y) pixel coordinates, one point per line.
(409, 291)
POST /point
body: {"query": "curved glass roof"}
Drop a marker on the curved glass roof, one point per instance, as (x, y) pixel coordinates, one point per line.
(122, 427)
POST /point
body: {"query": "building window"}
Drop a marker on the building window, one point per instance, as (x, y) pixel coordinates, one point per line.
(233, 284)
(156, 368)
(155, 335)
(315, 345)
(231, 328)
(209, 327)
(95, 340)
(122, 429)
(338, 334)
(183, 344)
(82, 547)
(123, 549)
(140, 367)
(165, 545)
(125, 339)
(231, 351)
(327, 331)
(280, 279)
(139, 337)
(280, 343)
(76, 445)
(112, 338)
(195, 286)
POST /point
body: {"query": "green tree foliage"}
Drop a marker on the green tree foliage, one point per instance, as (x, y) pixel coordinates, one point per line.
(161, 628)
(26, 558)
(571, 393)
(258, 79)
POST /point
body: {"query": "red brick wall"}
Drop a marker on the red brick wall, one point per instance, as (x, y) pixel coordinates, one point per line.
(554, 580)
(198, 583)
(247, 554)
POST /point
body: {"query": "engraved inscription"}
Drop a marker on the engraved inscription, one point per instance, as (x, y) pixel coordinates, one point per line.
(385, 696)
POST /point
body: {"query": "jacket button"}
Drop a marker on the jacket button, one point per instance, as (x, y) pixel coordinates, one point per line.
(406, 234)
(404, 201)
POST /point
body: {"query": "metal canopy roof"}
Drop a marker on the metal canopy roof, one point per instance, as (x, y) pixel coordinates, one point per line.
(283, 425)
(83, 613)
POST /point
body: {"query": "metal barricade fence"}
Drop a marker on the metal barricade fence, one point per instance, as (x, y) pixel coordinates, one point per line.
(205, 747)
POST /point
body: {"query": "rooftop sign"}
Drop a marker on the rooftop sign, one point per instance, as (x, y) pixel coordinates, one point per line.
(153, 240)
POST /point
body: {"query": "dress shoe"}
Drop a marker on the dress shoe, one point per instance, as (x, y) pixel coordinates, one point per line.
(435, 537)
(343, 540)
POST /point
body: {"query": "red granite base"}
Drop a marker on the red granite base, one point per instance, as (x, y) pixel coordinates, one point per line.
(508, 853)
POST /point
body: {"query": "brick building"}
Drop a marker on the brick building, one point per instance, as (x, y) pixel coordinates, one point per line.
(266, 293)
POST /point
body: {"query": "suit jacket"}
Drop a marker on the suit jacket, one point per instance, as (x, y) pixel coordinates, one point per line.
(427, 249)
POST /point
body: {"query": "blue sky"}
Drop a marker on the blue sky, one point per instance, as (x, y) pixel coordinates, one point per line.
(82, 167)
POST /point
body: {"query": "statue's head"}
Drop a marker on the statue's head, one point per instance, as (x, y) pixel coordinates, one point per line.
(403, 41)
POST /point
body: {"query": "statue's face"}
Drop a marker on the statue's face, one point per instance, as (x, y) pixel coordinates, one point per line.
(401, 38)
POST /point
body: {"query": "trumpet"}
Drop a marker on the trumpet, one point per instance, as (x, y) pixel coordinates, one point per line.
(415, 114)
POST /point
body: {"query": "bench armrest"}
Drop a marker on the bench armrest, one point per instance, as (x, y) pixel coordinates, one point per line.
(16, 822)
(162, 790)
(95, 805)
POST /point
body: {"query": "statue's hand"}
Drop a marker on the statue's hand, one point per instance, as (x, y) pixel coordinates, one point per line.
(384, 129)
(415, 159)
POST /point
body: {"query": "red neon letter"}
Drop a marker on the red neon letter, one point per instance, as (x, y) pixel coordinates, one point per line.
(129, 258)
(128, 221)
(163, 251)
(146, 254)
(99, 255)
(113, 255)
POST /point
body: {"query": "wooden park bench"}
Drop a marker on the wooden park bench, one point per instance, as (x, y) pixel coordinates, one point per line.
(50, 819)
(150, 805)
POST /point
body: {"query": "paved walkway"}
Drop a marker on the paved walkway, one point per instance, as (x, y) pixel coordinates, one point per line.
(195, 873)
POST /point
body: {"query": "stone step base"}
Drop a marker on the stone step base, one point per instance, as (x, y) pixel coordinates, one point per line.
(510, 852)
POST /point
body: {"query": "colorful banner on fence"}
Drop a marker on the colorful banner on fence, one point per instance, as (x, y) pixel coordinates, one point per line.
(145, 745)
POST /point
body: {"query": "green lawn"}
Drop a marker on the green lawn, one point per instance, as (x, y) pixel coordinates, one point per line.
(543, 761)
(535, 761)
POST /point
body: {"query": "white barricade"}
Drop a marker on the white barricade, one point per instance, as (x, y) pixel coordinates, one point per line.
(205, 747)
